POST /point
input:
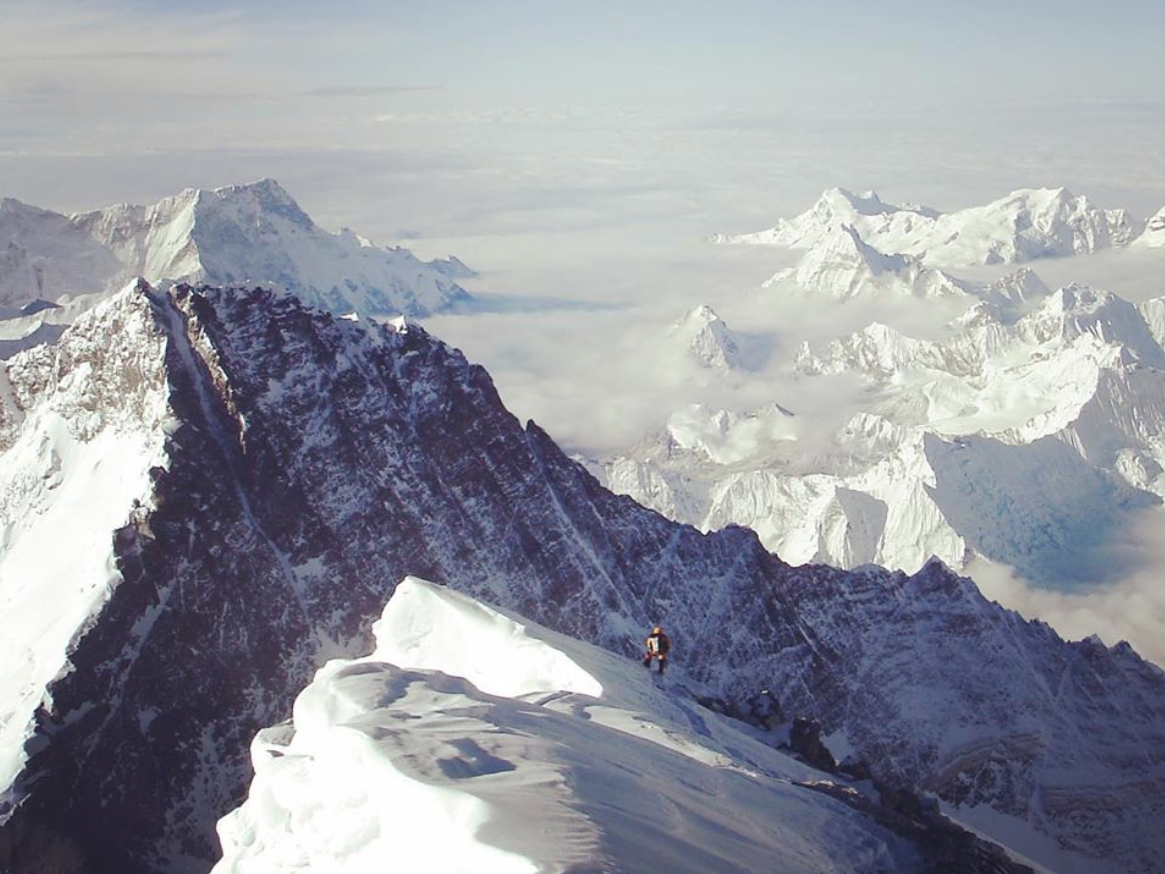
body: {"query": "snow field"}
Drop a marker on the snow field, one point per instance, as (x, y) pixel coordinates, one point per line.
(586, 764)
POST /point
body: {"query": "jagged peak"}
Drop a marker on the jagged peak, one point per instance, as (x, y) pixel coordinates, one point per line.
(18, 209)
(11, 204)
(879, 330)
(866, 203)
(844, 244)
(1041, 199)
(1024, 279)
(264, 196)
(698, 316)
(1077, 298)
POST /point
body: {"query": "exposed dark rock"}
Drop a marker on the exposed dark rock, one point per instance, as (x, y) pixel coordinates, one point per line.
(945, 847)
(805, 741)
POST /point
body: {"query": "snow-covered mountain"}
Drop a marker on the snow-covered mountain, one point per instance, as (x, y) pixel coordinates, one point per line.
(1026, 441)
(241, 234)
(1025, 225)
(243, 480)
(472, 739)
(842, 266)
(44, 255)
(711, 344)
(1154, 235)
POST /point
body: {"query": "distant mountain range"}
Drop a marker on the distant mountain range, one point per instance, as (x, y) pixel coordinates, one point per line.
(1028, 434)
(1027, 442)
(1025, 225)
(241, 234)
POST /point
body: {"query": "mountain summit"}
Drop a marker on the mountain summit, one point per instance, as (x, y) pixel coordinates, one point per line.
(1025, 225)
(240, 234)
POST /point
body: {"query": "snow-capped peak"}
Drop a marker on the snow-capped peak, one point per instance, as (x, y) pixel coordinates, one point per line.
(842, 265)
(1154, 235)
(256, 200)
(254, 234)
(848, 247)
(257, 234)
(710, 342)
(838, 205)
(834, 208)
(723, 437)
(1026, 224)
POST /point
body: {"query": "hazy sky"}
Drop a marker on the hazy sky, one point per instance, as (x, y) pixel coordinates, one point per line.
(580, 152)
(416, 89)
(613, 54)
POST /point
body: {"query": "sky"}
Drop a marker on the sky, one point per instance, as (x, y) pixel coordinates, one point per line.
(578, 155)
(88, 87)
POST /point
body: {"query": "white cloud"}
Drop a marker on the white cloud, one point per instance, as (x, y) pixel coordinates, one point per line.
(1129, 607)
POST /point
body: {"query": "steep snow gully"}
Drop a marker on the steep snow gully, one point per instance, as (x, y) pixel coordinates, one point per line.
(348, 455)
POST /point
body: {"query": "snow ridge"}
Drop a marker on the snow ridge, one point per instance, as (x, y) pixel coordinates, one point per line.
(1025, 225)
(468, 753)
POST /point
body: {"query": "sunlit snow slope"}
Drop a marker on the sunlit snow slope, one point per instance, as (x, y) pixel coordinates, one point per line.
(77, 452)
(471, 740)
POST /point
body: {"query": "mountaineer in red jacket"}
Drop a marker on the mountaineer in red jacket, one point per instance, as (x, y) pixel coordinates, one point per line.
(658, 645)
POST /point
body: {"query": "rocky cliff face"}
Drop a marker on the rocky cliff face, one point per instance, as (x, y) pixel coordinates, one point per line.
(310, 462)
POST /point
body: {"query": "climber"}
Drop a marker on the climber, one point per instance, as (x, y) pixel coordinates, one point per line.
(658, 645)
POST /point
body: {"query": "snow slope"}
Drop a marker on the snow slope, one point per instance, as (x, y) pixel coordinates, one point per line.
(841, 266)
(1154, 235)
(1025, 225)
(82, 425)
(240, 234)
(472, 739)
(44, 254)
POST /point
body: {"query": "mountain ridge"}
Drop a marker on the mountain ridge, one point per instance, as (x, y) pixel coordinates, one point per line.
(253, 233)
(1024, 225)
(302, 450)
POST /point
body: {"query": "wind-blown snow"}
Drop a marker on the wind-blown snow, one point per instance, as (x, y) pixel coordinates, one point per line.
(473, 740)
